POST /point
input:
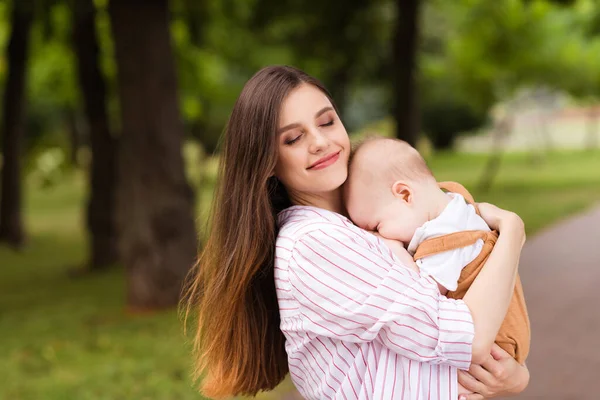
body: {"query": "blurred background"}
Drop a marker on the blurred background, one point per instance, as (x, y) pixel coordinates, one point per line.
(110, 122)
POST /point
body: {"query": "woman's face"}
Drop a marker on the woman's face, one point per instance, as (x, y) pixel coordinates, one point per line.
(312, 142)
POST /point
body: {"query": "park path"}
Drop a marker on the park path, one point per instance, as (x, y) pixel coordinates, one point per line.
(560, 272)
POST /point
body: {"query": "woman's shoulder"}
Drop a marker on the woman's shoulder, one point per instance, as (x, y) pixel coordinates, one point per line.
(296, 221)
(306, 223)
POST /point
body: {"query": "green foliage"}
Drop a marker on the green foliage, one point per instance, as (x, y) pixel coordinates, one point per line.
(52, 79)
(495, 47)
(477, 53)
(474, 53)
(576, 66)
(337, 41)
(4, 32)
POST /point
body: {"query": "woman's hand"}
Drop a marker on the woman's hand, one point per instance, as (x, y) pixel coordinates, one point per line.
(499, 375)
(502, 220)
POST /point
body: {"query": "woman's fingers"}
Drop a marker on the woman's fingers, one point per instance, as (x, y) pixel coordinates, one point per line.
(482, 379)
(498, 375)
(483, 375)
(472, 396)
(496, 217)
(491, 214)
(496, 364)
(469, 382)
(498, 352)
(505, 222)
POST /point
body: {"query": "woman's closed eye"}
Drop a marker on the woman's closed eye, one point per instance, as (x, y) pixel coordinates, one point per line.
(326, 120)
(293, 139)
(330, 121)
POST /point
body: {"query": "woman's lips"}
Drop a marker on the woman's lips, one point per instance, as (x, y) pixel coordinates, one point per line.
(325, 161)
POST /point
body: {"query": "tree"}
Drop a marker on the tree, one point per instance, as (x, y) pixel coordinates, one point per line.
(496, 48)
(404, 66)
(579, 64)
(155, 202)
(445, 108)
(11, 222)
(101, 216)
(334, 49)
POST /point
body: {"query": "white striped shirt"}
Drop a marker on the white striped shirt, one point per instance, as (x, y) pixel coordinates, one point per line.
(359, 324)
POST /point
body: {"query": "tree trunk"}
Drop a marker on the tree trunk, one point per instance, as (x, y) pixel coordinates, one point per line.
(101, 207)
(11, 220)
(405, 102)
(500, 134)
(155, 202)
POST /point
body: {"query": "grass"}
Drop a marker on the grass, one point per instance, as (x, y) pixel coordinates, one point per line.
(70, 339)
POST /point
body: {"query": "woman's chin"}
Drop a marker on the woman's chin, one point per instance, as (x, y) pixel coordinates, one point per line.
(331, 183)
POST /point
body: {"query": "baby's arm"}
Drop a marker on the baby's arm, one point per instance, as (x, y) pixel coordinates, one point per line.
(397, 247)
(404, 256)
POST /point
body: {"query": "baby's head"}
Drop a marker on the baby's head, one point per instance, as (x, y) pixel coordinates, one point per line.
(390, 189)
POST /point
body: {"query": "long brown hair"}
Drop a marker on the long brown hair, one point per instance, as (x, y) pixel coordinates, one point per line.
(239, 348)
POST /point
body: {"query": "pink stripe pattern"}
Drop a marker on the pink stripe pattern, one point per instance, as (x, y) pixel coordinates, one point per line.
(358, 324)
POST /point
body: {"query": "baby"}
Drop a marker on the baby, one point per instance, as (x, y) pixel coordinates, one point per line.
(391, 191)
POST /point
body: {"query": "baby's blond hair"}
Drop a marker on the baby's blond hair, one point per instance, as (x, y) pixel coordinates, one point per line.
(378, 160)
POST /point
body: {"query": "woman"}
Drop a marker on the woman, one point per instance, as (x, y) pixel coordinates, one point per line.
(286, 279)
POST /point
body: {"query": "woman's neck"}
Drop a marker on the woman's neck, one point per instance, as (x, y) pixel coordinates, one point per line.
(331, 201)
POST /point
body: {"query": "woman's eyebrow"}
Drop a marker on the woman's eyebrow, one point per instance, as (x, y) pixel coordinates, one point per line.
(288, 127)
(322, 111)
(297, 125)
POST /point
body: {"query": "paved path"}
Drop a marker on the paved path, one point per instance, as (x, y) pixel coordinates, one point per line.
(560, 270)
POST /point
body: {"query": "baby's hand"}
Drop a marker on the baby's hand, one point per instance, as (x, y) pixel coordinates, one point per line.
(397, 247)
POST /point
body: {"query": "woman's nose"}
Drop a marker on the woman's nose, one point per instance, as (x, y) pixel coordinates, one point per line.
(319, 141)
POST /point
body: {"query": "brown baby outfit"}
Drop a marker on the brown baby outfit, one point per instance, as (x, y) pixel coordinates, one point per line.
(515, 333)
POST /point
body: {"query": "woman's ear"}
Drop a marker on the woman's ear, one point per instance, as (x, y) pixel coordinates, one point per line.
(402, 191)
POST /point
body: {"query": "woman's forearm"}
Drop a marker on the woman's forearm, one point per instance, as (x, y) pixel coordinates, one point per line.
(489, 296)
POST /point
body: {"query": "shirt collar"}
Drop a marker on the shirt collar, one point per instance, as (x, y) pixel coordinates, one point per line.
(304, 212)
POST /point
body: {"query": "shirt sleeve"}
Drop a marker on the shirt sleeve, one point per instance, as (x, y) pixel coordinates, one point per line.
(352, 292)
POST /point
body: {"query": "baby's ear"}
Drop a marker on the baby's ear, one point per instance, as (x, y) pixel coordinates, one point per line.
(401, 190)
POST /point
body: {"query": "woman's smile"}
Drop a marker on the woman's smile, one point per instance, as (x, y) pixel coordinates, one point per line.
(326, 161)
